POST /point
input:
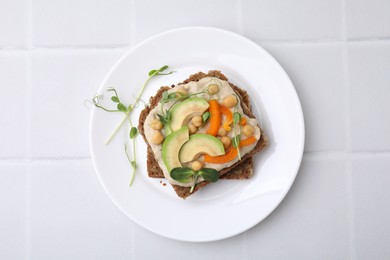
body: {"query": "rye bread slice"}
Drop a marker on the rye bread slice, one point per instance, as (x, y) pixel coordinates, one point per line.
(154, 171)
(240, 170)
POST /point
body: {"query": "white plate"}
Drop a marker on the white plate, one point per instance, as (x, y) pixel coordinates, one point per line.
(227, 207)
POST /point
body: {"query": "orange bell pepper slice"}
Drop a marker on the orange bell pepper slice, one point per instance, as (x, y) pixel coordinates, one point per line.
(215, 118)
(229, 118)
(231, 154)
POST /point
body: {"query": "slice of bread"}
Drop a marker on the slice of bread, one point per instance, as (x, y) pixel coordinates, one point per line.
(242, 169)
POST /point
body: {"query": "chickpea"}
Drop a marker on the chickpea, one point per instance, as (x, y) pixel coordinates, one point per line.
(197, 165)
(226, 141)
(192, 129)
(248, 130)
(157, 138)
(197, 121)
(229, 101)
(155, 124)
(212, 89)
(222, 131)
(182, 91)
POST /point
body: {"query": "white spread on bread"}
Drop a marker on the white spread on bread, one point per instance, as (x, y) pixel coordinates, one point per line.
(194, 87)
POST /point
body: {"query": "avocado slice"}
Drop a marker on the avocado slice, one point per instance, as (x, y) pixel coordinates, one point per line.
(200, 144)
(182, 112)
(171, 147)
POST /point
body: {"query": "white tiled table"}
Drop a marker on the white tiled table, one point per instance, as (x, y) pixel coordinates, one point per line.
(54, 54)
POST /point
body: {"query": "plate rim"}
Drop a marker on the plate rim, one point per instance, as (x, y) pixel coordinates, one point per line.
(280, 69)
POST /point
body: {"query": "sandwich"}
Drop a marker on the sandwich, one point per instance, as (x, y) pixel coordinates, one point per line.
(199, 131)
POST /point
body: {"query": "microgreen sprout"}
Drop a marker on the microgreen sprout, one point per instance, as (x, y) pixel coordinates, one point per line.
(132, 162)
(237, 130)
(120, 107)
(187, 175)
(205, 117)
(151, 74)
(175, 97)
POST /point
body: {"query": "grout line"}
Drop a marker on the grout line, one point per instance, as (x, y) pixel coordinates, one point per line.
(343, 21)
(30, 27)
(28, 214)
(240, 28)
(29, 106)
(302, 42)
(345, 155)
(350, 200)
(368, 153)
(347, 100)
(81, 47)
(350, 154)
(32, 161)
(16, 49)
(132, 245)
(324, 155)
(58, 159)
(12, 49)
(65, 48)
(369, 39)
(323, 41)
(348, 132)
(15, 162)
(245, 245)
(18, 159)
(362, 155)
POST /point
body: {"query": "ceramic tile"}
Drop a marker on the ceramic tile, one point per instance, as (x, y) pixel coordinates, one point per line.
(13, 113)
(328, 214)
(81, 23)
(72, 217)
(62, 81)
(157, 16)
(371, 214)
(317, 74)
(13, 23)
(292, 20)
(157, 247)
(312, 222)
(13, 188)
(369, 96)
(368, 19)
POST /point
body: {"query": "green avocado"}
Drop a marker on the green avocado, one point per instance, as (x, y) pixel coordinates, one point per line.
(171, 147)
(182, 112)
(200, 144)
